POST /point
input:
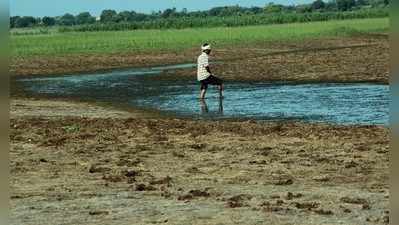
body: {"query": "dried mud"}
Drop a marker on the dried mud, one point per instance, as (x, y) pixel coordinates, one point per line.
(354, 61)
(314, 60)
(68, 169)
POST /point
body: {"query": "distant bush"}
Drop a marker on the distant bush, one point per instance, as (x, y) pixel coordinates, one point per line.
(229, 21)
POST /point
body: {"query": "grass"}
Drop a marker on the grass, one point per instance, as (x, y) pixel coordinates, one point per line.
(62, 44)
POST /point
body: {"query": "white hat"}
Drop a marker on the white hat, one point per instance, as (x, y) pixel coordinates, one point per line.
(206, 47)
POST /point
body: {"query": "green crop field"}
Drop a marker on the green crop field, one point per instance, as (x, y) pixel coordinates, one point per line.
(61, 44)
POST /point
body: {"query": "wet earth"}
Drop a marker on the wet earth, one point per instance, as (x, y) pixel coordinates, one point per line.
(339, 103)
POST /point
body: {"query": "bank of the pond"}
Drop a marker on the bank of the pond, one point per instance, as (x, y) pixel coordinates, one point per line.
(343, 59)
(103, 166)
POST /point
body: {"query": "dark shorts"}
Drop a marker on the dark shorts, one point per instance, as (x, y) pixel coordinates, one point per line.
(210, 80)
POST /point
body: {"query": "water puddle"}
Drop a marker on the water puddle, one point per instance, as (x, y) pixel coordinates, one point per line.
(326, 102)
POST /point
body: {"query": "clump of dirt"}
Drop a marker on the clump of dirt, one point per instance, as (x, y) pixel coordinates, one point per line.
(354, 200)
(274, 207)
(166, 180)
(97, 213)
(324, 212)
(307, 205)
(291, 196)
(98, 169)
(144, 187)
(238, 201)
(194, 194)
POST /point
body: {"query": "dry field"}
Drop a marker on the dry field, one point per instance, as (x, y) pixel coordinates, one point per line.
(79, 163)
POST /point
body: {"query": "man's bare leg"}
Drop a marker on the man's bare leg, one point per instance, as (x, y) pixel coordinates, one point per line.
(221, 88)
(204, 106)
(202, 95)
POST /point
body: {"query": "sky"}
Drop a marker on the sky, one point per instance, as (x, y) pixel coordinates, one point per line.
(40, 8)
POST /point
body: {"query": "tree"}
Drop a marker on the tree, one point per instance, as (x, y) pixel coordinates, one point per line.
(168, 13)
(304, 8)
(67, 20)
(85, 18)
(318, 4)
(109, 16)
(273, 8)
(26, 21)
(48, 21)
(13, 21)
(256, 10)
(361, 2)
(126, 16)
(345, 5)
(216, 11)
(331, 6)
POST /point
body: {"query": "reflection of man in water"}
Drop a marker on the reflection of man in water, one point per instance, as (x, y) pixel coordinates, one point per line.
(204, 74)
(205, 109)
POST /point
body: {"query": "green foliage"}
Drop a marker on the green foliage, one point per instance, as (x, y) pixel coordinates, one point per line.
(109, 16)
(85, 18)
(67, 20)
(26, 21)
(272, 8)
(318, 4)
(231, 21)
(345, 5)
(48, 21)
(13, 21)
(103, 42)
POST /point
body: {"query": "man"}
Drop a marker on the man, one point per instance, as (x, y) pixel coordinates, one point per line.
(204, 74)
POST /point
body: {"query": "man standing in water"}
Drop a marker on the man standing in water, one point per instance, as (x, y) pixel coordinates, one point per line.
(204, 74)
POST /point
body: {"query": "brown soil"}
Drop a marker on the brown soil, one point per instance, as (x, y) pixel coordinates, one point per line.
(78, 163)
(313, 62)
(111, 167)
(302, 61)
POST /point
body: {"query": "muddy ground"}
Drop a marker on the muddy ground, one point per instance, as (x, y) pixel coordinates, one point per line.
(79, 163)
(107, 168)
(344, 59)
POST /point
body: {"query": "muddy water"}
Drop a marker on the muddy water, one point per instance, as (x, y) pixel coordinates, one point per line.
(328, 102)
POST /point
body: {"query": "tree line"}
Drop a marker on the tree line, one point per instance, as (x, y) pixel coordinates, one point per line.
(164, 17)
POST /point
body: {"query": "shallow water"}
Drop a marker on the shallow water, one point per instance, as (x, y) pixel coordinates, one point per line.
(328, 102)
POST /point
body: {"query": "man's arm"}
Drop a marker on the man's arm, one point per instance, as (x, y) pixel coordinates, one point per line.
(208, 69)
